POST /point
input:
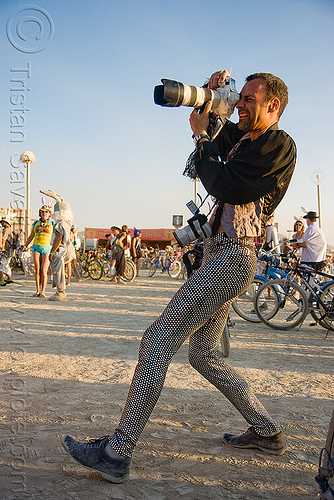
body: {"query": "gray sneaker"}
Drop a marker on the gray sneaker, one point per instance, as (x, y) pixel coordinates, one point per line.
(58, 296)
(276, 445)
(92, 454)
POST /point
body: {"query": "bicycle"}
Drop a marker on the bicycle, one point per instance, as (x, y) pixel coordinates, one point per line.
(16, 262)
(165, 263)
(100, 266)
(243, 305)
(95, 269)
(130, 270)
(288, 302)
(82, 260)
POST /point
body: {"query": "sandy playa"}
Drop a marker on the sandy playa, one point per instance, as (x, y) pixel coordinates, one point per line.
(66, 367)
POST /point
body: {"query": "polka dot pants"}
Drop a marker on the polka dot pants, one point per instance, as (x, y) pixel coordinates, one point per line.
(198, 311)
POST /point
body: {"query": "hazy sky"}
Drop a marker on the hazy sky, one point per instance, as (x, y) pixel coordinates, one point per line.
(89, 115)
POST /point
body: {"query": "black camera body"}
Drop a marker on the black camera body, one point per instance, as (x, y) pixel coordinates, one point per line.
(198, 227)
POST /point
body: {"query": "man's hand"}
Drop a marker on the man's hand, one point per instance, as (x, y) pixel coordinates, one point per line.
(199, 122)
(217, 79)
(57, 241)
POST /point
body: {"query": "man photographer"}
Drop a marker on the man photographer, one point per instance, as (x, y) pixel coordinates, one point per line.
(247, 168)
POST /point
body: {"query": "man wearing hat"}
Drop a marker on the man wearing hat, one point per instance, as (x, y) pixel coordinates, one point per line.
(313, 243)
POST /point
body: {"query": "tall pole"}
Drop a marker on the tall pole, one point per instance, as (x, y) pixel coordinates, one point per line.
(319, 205)
(27, 225)
(27, 157)
(317, 178)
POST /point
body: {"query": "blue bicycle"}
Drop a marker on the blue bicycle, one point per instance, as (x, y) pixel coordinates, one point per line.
(287, 302)
(285, 294)
(164, 262)
(243, 305)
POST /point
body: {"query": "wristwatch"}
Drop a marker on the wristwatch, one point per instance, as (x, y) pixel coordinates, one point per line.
(200, 136)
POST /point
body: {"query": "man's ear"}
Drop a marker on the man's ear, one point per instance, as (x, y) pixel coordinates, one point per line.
(273, 105)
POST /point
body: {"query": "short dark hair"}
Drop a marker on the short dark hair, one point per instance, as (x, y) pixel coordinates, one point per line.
(275, 87)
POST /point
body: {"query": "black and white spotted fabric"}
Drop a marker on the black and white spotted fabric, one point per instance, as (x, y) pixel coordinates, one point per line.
(198, 311)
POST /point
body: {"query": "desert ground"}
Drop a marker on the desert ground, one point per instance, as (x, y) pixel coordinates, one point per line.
(66, 368)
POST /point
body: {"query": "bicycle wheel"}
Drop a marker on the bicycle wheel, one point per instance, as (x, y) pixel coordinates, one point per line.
(244, 303)
(327, 315)
(84, 268)
(95, 269)
(225, 341)
(153, 268)
(174, 269)
(106, 267)
(286, 302)
(130, 271)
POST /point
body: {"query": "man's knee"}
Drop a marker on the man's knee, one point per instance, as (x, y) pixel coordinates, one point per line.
(200, 359)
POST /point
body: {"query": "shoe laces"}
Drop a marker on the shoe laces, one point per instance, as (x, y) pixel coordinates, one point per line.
(250, 429)
(95, 442)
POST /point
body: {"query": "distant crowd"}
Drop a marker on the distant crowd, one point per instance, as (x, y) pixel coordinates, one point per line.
(55, 237)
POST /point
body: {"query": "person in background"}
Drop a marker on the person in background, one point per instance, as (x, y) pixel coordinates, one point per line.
(72, 249)
(114, 231)
(110, 237)
(62, 217)
(127, 251)
(75, 240)
(271, 236)
(41, 235)
(313, 243)
(298, 233)
(6, 253)
(136, 251)
(117, 247)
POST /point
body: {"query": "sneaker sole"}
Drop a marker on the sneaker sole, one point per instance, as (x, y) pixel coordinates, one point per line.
(108, 477)
(281, 451)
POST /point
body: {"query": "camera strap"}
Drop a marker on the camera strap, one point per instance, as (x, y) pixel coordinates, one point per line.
(219, 209)
(217, 216)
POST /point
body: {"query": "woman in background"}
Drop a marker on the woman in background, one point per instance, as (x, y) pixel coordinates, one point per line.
(298, 229)
(41, 234)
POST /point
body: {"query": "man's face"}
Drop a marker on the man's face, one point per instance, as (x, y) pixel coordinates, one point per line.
(252, 107)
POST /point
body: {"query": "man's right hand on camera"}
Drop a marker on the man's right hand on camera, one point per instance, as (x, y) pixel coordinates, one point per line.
(217, 78)
(199, 122)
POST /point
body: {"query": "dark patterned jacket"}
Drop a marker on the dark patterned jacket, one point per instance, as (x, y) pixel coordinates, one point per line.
(260, 168)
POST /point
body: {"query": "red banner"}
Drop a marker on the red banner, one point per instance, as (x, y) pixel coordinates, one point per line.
(146, 234)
